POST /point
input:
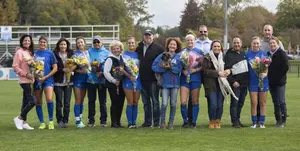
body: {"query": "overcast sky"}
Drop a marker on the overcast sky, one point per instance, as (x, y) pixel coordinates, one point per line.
(168, 12)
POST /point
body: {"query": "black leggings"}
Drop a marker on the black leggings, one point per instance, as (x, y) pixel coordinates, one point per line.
(28, 100)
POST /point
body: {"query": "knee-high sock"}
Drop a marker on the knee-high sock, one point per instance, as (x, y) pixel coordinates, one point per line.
(50, 107)
(254, 119)
(81, 109)
(39, 112)
(195, 112)
(129, 114)
(184, 112)
(134, 113)
(77, 113)
(262, 119)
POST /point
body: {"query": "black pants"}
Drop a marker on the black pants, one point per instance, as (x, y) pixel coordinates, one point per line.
(63, 98)
(28, 101)
(92, 96)
(237, 105)
(117, 102)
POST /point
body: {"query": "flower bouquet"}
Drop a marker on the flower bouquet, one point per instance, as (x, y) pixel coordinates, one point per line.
(69, 64)
(132, 66)
(117, 73)
(260, 65)
(189, 61)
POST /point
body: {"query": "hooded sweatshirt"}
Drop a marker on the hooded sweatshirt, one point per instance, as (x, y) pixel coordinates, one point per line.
(100, 55)
(20, 64)
(170, 78)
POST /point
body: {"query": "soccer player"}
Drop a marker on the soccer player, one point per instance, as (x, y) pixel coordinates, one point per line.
(46, 83)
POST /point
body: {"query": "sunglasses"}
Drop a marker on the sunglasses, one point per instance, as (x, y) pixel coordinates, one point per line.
(96, 41)
(202, 31)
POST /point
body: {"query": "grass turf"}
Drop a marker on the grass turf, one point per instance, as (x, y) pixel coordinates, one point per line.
(202, 138)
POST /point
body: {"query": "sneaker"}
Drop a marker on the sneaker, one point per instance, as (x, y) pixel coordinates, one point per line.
(185, 125)
(262, 125)
(283, 124)
(80, 125)
(91, 125)
(135, 126)
(170, 126)
(103, 125)
(130, 126)
(61, 124)
(18, 123)
(51, 125)
(65, 125)
(194, 125)
(42, 126)
(253, 126)
(155, 126)
(27, 127)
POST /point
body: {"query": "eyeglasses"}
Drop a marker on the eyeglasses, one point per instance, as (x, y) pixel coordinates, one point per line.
(202, 31)
(96, 41)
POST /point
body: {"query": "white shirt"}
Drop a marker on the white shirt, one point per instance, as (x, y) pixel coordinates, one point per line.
(203, 45)
(107, 68)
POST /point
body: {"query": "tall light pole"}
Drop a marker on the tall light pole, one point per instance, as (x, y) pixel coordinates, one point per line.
(225, 26)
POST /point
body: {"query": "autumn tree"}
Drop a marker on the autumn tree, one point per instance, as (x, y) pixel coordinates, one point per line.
(8, 12)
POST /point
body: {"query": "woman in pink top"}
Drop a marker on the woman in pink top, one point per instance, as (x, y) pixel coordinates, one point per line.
(20, 66)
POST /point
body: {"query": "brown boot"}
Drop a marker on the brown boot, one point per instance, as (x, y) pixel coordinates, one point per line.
(218, 125)
(212, 124)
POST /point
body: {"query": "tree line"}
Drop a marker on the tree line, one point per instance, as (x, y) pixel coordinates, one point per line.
(245, 20)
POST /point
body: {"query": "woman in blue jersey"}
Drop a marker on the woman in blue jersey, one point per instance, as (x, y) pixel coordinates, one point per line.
(46, 83)
(170, 80)
(192, 85)
(79, 81)
(63, 89)
(132, 92)
(255, 90)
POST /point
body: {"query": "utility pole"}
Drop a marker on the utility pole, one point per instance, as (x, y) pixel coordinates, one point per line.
(225, 27)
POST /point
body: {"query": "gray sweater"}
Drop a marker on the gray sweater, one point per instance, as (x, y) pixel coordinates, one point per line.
(265, 45)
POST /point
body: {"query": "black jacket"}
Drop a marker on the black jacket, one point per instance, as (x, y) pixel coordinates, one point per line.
(231, 58)
(59, 75)
(146, 72)
(278, 68)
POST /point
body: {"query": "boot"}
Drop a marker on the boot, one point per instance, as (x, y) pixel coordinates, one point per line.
(217, 124)
(212, 124)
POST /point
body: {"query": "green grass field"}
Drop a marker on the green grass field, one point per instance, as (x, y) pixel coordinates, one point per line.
(202, 138)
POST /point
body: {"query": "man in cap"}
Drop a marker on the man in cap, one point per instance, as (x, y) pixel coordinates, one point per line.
(148, 51)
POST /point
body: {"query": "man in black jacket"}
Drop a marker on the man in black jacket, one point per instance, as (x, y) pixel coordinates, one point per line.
(236, 61)
(148, 51)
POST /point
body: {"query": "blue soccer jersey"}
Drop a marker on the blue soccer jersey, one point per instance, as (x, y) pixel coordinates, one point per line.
(127, 83)
(253, 77)
(48, 57)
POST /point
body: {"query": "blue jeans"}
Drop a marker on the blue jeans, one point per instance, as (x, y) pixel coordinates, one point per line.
(278, 97)
(166, 92)
(150, 100)
(237, 105)
(216, 100)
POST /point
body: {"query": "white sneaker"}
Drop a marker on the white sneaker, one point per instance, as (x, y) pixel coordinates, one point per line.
(253, 126)
(262, 126)
(27, 127)
(18, 123)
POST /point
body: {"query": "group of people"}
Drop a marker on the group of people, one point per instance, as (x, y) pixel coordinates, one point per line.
(171, 70)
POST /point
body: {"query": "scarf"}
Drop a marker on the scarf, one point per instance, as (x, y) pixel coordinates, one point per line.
(219, 66)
